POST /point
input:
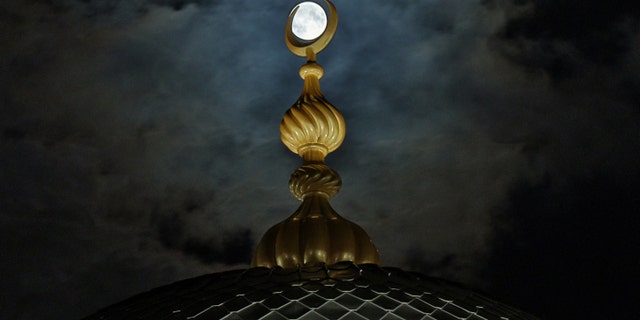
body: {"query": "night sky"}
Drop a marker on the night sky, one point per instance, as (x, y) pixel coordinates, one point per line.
(494, 143)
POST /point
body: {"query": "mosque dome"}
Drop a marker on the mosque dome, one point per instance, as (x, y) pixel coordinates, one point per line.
(314, 265)
(343, 291)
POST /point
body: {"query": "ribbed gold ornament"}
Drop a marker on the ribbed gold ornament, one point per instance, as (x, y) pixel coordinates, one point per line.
(312, 127)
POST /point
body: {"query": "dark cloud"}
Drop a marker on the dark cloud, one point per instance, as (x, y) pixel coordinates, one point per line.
(175, 231)
(590, 223)
(142, 137)
(561, 36)
(116, 9)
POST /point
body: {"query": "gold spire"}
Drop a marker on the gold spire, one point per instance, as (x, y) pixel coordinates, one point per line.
(312, 128)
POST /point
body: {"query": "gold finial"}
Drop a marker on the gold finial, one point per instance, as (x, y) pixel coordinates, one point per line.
(312, 128)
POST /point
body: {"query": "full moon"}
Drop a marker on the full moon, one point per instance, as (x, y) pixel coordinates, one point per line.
(309, 22)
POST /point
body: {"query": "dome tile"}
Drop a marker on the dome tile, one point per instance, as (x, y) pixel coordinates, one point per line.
(443, 315)
(488, 315)
(386, 302)
(210, 313)
(353, 316)
(254, 311)
(276, 301)
(351, 302)
(456, 311)
(329, 293)
(313, 301)
(422, 306)
(295, 293)
(312, 315)
(391, 316)
(313, 286)
(237, 303)
(364, 294)
(379, 288)
(332, 310)
(231, 316)
(433, 300)
(406, 312)
(274, 316)
(293, 310)
(345, 286)
(371, 311)
(258, 295)
(400, 296)
(467, 305)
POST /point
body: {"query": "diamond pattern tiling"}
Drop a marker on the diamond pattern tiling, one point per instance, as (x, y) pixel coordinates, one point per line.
(212, 313)
(258, 295)
(422, 306)
(312, 315)
(349, 301)
(391, 316)
(332, 310)
(295, 293)
(273, 316)
(400, 296)
(329, 293)
(345, 286)
(364, 293)
(313, 286)
(433, 300)
(406, 312)
(385, 303)
(231, 316)
(254, 311)
(487, 315)
(313, 301)
(343, 291)
(371, 311)
(236, 303)
(353, 316)
(456, 311)
(467, 306)
(378, 288)
(293, 310)
(443, 315)
(361, 282)
(276, 301)
(411, 291)
(475, 317)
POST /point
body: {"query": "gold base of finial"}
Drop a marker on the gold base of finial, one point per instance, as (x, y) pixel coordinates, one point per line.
(315, 233)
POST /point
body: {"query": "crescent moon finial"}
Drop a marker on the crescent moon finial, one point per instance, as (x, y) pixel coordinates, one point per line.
(315, 234)
(310, 48)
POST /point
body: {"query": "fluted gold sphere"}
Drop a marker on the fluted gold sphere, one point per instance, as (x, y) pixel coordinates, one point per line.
(312, 124)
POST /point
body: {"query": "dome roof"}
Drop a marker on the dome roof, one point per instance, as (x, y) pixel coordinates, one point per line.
(342, 291)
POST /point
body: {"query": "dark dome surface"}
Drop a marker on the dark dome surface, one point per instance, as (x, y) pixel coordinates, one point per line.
(344, 291)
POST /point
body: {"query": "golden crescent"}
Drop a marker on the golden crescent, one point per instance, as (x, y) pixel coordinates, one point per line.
(299, 47)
